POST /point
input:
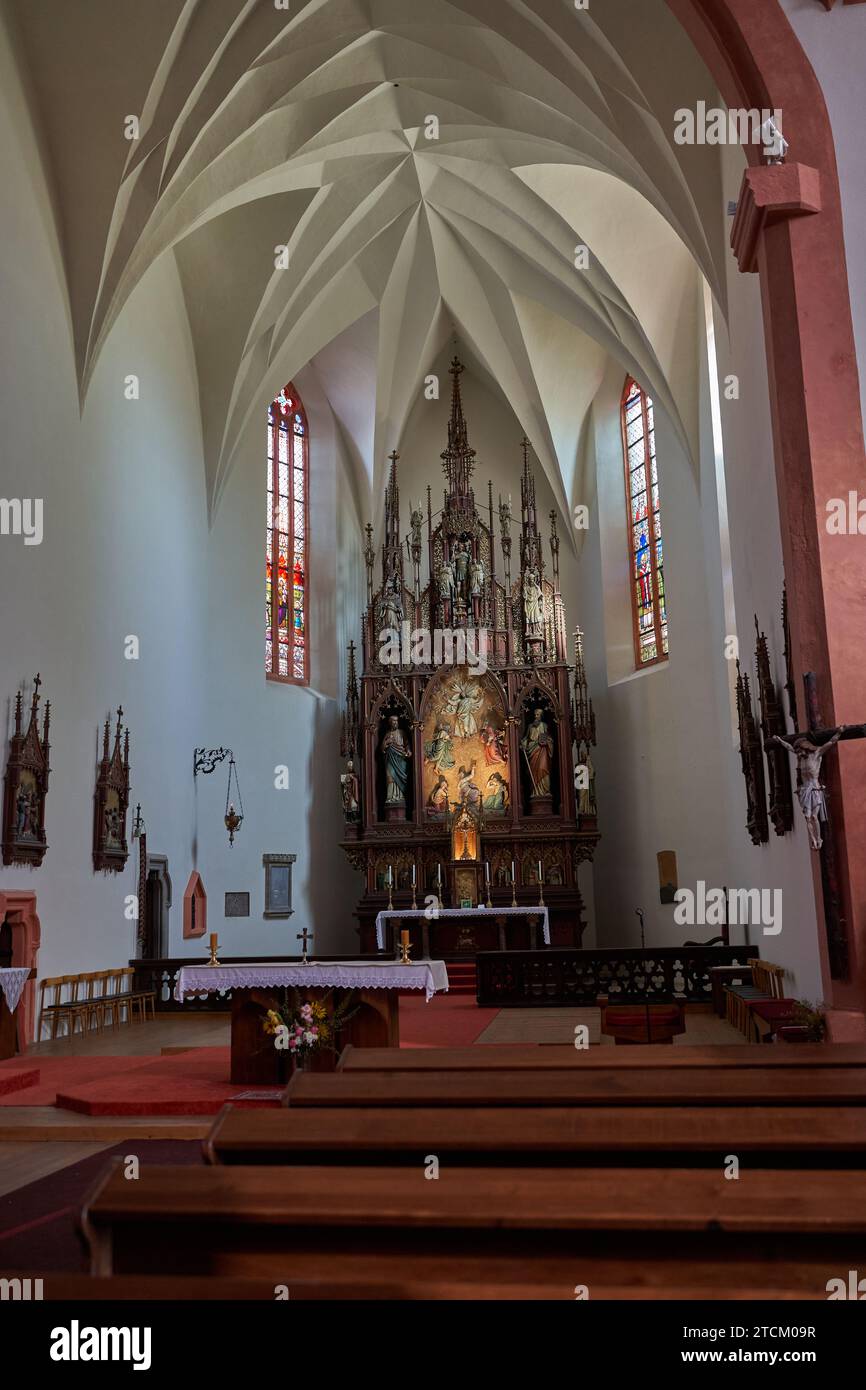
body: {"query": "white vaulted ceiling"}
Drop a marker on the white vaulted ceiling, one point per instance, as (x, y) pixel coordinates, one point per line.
(260, 128)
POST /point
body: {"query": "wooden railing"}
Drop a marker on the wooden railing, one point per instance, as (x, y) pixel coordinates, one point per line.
(160, 976)
(551, 977)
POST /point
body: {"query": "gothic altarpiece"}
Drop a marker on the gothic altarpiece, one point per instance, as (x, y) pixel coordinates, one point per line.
(459, 780)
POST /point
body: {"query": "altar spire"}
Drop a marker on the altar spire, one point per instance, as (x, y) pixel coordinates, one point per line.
(459, 455)
(392, 548)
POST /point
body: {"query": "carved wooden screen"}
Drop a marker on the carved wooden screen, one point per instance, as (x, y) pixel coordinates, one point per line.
(646, 554)
(286, 618)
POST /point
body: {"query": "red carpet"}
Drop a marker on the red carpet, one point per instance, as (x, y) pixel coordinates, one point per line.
(196, 1082)
(190, 1083)
(56, 1071)
(18, 1079)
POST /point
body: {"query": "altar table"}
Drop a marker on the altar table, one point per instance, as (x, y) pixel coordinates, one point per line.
(533, 915)
(257, 988)
(12, 981)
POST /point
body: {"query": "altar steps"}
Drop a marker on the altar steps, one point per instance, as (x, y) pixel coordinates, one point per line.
(461, 977)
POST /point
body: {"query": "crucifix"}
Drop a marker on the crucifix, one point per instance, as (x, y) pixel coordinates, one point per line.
(809, 748)
(305, 936)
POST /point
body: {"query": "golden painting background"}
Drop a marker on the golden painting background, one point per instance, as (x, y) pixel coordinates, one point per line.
(460, 700)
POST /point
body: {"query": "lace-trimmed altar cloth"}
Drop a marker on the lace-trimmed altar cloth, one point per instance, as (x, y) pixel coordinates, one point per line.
(467, 912)
(429, 975)
(12, 981)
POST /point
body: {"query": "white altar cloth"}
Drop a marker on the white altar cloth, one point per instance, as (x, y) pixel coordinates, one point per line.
(12, 981)
(539, 910)
(429, 975)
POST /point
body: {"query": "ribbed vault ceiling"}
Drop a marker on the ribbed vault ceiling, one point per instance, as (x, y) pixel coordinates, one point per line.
(260, 128)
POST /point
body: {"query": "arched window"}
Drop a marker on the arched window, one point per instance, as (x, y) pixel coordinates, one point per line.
(646, 555)
(286, 634)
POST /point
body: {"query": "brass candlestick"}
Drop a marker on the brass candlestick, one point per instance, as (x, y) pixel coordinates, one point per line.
(405, 948)
(513, 892)
(540, 891)
(390, 895)
(213, 950)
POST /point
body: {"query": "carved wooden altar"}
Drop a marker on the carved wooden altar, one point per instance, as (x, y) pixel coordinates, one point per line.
(467, 708)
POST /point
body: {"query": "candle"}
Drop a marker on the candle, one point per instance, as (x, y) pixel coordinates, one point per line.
(213, 940)
(439, 875)
(539, 871)
(512, 871)
(390, 875)
(486, 872)
(413, 875)
(404, 936)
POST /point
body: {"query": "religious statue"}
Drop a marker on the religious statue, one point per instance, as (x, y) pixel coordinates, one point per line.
(585, 787)
(496, 796)
(476, 579)
(537, 746)
(440, 750)
(810, 792)
(416, 521)
(350, 789)
(461, 567)
(533, 604)
(391, 605)
(112, 825)
(437, 801)
(22, 806)
(396, 753)
(494, 745)
(465, 699)
(467, 789)
(445, 582)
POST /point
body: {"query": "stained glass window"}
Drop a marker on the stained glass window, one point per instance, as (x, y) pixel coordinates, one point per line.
(286, 634)
(646, 554)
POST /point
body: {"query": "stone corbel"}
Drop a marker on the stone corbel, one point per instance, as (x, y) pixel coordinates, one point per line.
(771, 193)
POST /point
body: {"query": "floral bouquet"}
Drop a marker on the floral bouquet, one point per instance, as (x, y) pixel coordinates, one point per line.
(302, 1028)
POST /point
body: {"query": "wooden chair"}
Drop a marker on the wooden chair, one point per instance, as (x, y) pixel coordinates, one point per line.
(94, 1002)
(69, 1009)
(766, 983)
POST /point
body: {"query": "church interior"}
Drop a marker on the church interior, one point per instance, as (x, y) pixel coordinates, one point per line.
(442, 422)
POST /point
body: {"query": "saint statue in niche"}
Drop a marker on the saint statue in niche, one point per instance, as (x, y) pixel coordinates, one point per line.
(396, 753)
(537, 746)
(416, 521)
(391, 605)
(533, 604)
(350, 791)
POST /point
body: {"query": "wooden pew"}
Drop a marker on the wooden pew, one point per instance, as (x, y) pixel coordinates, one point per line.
(361, 1230)
(147, 1288)
(791, 1136)
(480, 1057)
(772, 1086)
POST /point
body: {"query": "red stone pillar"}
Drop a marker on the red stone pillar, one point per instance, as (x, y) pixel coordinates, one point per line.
(781, 231)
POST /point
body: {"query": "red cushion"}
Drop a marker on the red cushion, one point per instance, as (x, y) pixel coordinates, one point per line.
(773, 1009)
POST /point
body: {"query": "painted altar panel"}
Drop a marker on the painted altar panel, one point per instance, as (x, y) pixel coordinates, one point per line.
(465, 745)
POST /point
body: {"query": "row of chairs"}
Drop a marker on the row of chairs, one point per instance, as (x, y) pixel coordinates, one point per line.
(92, 998)
(764, 994)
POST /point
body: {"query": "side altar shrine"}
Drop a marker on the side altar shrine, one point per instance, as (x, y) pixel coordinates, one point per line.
(463, 735)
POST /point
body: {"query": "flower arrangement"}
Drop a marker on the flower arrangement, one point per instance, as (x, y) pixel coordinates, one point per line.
(304, 1027)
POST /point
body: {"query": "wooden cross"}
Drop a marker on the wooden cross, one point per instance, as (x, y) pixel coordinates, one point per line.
(305, 936)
